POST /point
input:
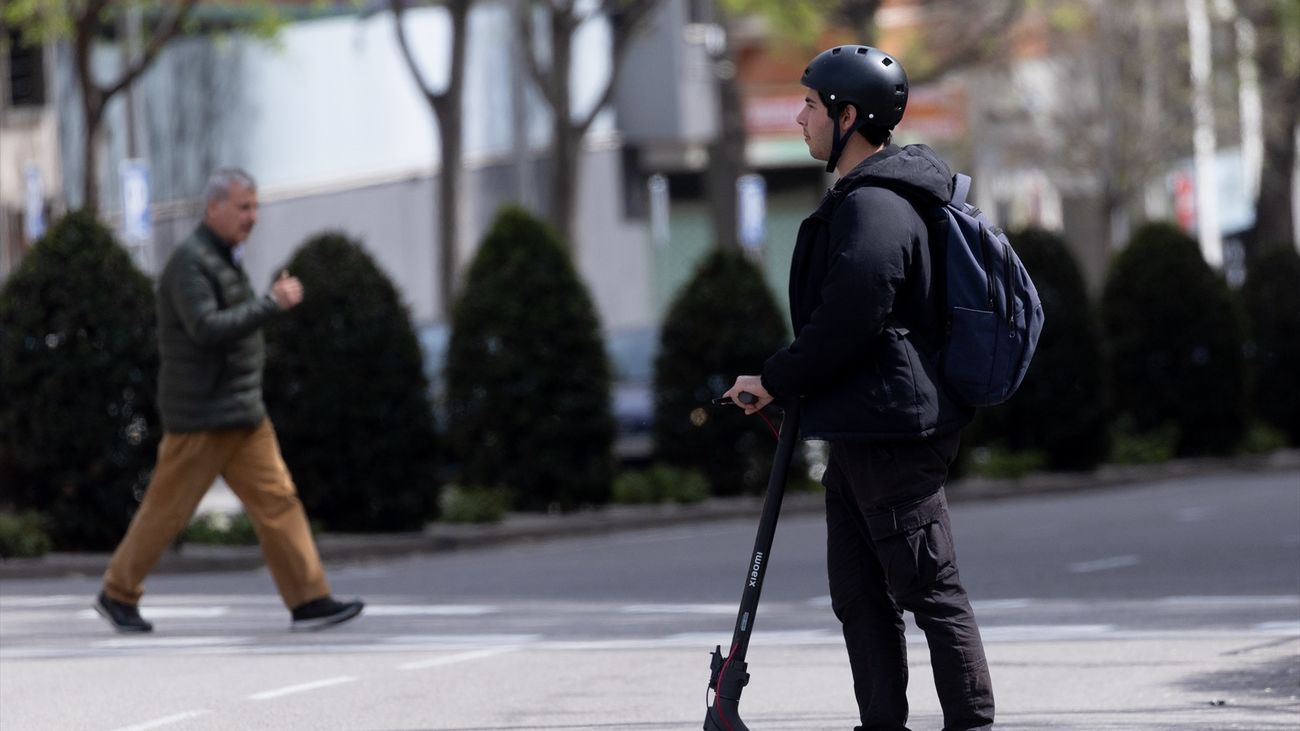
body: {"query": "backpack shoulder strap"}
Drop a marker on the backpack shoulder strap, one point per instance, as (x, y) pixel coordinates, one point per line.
(960, 189)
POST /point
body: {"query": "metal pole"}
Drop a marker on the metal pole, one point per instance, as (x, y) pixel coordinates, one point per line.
(129, 27)
(519, 114)
(1203, 139)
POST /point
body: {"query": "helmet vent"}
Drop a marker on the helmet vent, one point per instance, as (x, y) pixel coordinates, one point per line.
(835, 51)
(898, 89)
(862, 50)
(887, 61)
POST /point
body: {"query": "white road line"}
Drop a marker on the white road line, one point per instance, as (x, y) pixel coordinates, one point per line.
(678, 609)
(1103, 564)
(1245, 602)
(993, 605)
(459, 641)
(60, 600)
(1047, 632)
(437, 662)
(170, 613)
(165, 721)
(301, 688)
(431, 610)
(171, 642)
(1286, 628)
(695, 639)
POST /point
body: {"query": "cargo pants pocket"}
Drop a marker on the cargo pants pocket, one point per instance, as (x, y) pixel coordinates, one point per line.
(913, 543)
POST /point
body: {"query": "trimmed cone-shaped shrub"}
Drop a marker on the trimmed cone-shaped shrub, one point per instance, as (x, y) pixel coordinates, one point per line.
(78, 371)
(724, 323)
(1060, 408)
(528, 380)
(1272, 299)
(346, 390)
(1175, 336)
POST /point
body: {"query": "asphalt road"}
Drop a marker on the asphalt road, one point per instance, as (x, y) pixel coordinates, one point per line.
(1173, 605)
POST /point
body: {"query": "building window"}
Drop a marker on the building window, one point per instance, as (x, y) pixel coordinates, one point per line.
(26, 73)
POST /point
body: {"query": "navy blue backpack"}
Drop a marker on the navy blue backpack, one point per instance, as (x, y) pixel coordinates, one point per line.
(992, 315)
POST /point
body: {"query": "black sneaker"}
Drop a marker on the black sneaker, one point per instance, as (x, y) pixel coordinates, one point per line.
(324, 612)
(124, 617)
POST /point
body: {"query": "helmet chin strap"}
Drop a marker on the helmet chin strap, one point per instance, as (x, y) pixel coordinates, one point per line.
(838, 140)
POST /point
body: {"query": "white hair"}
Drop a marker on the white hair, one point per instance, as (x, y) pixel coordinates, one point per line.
(221, 179)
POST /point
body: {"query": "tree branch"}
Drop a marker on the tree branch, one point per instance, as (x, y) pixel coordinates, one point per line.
(166, 31)
(399, 11)
(527, 35)
(84, 27)
(626, 18)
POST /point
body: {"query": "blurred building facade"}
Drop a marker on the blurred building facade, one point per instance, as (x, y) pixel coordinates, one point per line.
(30, 182)
(330, 121)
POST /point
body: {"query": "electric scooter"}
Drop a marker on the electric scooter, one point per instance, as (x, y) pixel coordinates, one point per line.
(729, 673)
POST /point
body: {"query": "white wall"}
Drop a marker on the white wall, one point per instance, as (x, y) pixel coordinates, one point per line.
(329, 120)
(333, 99)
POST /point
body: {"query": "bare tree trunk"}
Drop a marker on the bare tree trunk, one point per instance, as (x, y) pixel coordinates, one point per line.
(727, 153)
(567, 144)
(92, 115)
(1274, 217)
(95, 97)
(625, 17)
(92, 105)
(447, 107)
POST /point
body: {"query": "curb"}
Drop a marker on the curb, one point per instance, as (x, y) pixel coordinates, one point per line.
(523, 527)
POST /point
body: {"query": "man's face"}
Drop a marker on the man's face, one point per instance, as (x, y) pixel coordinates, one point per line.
(233, 217)
(817, 130)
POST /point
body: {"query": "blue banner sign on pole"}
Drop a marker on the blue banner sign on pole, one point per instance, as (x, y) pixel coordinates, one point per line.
(137, 222)
(751, 200)
(34, 203)
(659, 210)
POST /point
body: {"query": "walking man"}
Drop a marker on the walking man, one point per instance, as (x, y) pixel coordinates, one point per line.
(865, 305)
(214, 420)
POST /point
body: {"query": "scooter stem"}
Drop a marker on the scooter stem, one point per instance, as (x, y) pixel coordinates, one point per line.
(729, 673)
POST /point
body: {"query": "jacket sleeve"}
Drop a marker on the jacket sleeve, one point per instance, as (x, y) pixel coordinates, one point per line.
(193, 293)
(870, 249)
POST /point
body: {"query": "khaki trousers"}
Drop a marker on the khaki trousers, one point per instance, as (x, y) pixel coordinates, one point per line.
(249, 460)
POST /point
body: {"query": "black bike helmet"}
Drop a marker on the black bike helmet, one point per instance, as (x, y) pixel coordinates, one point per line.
(868, 78)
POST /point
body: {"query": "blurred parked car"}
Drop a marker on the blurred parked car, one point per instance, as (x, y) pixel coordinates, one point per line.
(433, 345)
(632, 356)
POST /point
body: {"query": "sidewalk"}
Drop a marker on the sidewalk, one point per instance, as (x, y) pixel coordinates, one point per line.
(534, 526)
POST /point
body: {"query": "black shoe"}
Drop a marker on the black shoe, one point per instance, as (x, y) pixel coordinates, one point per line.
(124, 617)
(324, 612)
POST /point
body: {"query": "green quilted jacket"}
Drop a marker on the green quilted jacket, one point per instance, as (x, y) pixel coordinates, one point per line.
(210, 339)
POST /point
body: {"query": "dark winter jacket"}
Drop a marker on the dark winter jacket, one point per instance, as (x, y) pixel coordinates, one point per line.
(210, 340)
(865, 308)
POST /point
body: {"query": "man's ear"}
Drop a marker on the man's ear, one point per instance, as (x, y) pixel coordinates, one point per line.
(848, 115)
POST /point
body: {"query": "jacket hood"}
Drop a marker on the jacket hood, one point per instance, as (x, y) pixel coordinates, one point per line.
(915, 167)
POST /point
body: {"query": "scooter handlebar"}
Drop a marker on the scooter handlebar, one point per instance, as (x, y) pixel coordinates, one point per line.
(745, 397)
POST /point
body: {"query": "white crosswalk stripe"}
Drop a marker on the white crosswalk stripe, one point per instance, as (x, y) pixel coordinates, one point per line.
(35, 629)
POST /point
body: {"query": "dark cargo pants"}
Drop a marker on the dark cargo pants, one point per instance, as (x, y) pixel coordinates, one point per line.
(889, 549)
